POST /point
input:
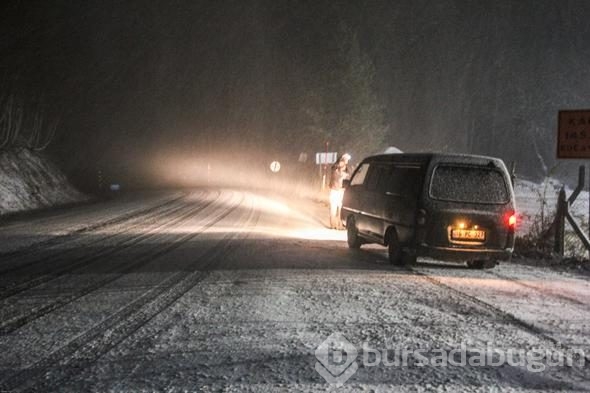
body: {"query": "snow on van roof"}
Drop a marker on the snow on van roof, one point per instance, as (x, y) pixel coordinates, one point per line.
(437, 156)
(392, 150)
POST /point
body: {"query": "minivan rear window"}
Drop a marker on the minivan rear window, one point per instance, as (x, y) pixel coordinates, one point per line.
(470, 184)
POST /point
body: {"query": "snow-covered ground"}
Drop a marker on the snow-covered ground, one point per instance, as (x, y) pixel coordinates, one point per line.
(537, 203)
(29, 181)
(530, 197)
(234, 291)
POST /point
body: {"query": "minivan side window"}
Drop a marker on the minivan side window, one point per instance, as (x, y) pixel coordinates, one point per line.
(377, 177)
(405, 181)
(360, 175)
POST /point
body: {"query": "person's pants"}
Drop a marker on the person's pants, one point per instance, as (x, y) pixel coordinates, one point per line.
(335, 206)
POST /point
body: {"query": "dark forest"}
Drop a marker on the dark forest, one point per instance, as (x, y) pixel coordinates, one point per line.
(119, 85)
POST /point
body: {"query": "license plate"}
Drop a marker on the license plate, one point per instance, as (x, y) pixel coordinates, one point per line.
(468, 234)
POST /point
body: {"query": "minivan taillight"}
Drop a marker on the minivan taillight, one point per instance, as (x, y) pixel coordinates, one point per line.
(511, 220)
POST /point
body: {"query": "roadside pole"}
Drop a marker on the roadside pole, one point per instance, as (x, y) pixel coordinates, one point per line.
(324, 178)
(558, 244)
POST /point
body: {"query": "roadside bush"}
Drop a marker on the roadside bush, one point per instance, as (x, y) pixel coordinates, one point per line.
(538, 242)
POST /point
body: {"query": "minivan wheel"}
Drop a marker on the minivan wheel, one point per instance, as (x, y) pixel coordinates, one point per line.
(481, 264)
(352, 234)
(395, 249)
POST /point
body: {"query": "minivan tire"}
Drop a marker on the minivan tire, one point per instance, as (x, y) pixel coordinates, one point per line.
(352, 234)
(394, 248)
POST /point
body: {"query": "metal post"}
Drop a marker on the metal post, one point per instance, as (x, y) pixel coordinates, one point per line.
(580, 186)
(562, 206)
(325, 166)
(513, 172)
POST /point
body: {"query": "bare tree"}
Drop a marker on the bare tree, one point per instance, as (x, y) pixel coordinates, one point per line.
(11, 121)
(24, 125)
(40, 131)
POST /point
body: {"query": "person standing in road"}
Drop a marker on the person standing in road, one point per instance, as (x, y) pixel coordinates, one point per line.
(339, 172)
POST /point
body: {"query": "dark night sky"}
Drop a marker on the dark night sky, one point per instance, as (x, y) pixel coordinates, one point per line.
(137, 81)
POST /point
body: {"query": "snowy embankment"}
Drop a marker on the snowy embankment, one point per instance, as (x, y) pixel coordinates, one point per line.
(30, 181)
(536, 205)
(530, 198)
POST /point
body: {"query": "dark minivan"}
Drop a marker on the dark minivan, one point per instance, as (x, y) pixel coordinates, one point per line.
(444, 206)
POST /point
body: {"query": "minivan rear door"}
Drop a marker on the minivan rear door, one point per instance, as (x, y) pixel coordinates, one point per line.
(470, 206)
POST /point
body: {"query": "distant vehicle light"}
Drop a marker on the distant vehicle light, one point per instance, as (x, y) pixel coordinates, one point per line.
(275, 166)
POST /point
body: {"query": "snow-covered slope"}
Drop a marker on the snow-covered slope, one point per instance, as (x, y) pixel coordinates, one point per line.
(530, 197)
(30, 181)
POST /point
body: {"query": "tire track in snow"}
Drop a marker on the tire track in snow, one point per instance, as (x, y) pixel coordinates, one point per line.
(49, 271)
(13, 321)
(543, 291)
(503, 315)
(84, 350)
(163, 327)
(37, 249)
(48, 262)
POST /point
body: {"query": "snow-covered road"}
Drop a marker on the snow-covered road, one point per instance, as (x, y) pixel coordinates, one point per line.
(227, 290)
